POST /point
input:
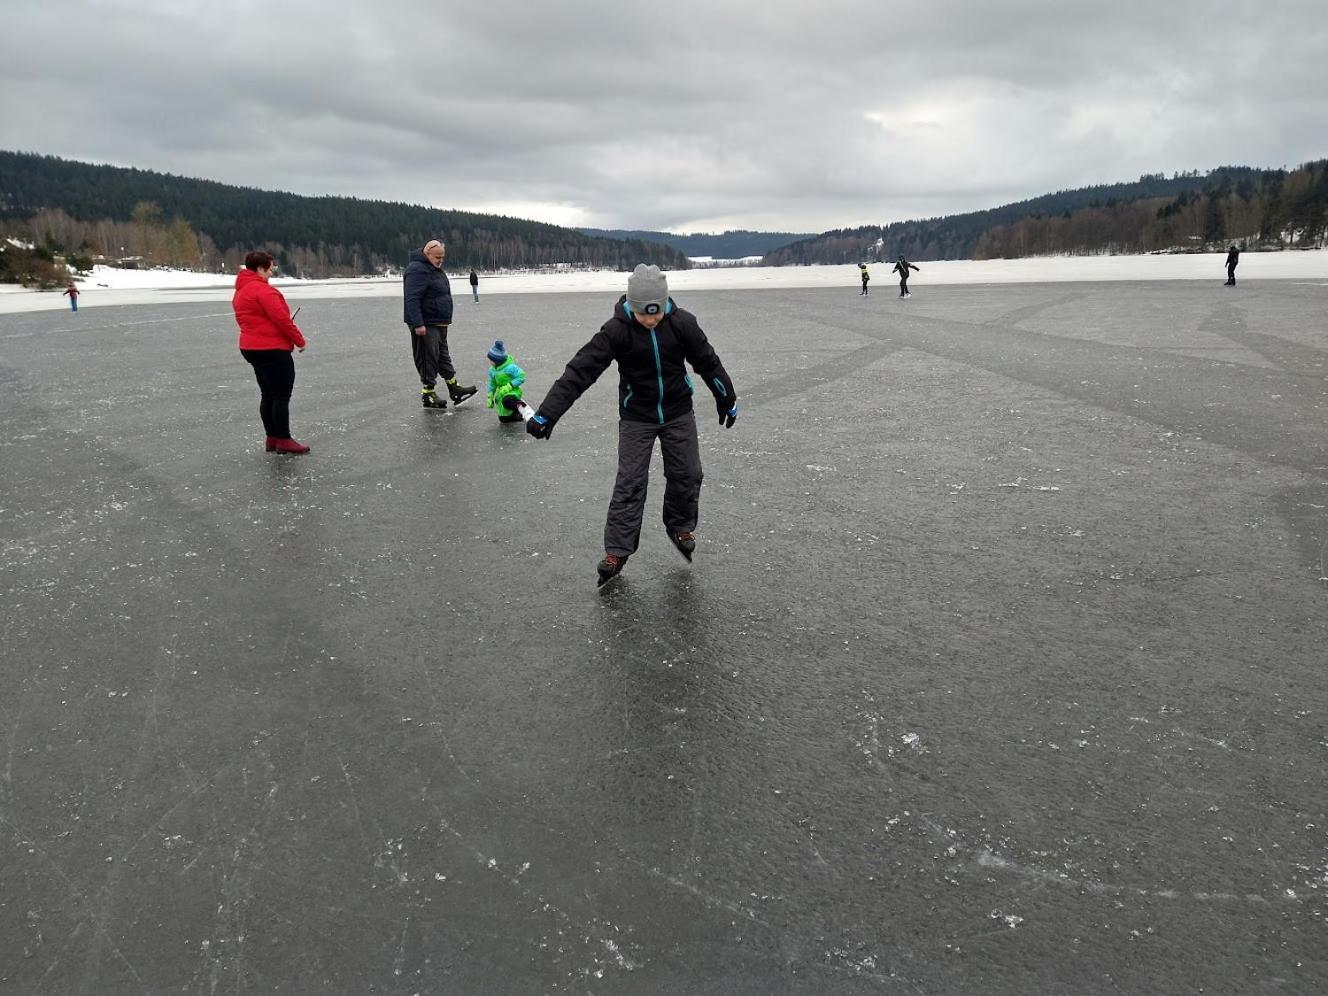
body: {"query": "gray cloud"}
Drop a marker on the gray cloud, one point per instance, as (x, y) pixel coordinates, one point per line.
(688, 116)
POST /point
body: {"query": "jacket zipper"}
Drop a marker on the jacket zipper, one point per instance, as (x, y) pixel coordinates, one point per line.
(659, 375)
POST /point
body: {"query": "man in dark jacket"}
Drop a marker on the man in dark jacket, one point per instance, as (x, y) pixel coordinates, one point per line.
(902, 267)
(428, 315)
(1233, 257)
(652, 340)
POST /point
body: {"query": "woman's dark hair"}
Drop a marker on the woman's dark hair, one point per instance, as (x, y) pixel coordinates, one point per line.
(259, 260)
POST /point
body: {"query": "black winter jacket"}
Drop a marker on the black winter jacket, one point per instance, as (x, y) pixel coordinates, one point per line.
(653, 383)
(427, 291)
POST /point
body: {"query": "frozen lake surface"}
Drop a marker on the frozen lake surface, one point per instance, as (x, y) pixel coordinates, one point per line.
(1000, 667)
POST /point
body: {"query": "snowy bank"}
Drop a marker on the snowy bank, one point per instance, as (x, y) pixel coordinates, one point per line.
(108, 286)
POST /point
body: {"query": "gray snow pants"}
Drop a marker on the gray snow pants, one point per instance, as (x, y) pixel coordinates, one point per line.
(430, 353)
(682, 480)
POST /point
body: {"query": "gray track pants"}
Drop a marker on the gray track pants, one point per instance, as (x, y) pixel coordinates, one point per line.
(432, 359)
(682, 480)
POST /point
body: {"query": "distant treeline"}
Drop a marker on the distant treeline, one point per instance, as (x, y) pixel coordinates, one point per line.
(1262, 208)
(90, 210)
(1258, 209)
(738, 244)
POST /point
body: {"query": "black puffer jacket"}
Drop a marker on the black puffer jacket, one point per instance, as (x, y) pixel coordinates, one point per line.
(653, 383)
(428, 294)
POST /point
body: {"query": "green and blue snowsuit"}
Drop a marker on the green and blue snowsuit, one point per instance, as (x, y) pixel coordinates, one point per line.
(505, 381)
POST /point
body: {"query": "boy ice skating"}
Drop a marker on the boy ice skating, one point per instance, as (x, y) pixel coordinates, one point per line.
(505, 380)
(652, 340)
(862, 270)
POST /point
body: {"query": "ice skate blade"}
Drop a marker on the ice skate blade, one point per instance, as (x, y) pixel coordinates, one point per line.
(685, 554)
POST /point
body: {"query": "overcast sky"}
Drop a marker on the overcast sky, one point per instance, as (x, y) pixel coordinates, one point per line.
(682, 116)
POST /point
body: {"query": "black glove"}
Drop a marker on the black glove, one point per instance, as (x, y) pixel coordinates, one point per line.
(728, 411)
(539, 426)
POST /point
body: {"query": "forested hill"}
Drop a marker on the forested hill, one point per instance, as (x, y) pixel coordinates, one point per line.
(738, 244)
(1192, 210)
(90, 210)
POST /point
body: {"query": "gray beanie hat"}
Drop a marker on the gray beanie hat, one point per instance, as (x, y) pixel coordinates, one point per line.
(647, 290)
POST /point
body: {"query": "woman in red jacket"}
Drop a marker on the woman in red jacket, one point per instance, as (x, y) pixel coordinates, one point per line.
(267, 336)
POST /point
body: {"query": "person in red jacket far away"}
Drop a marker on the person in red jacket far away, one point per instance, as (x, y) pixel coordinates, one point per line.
(267, 336)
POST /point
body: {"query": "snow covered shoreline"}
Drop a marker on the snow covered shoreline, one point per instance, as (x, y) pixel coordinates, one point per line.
(106, 286)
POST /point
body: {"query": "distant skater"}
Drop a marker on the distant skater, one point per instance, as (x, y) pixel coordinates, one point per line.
(652, 341)
(902, 267)
(1233, 257)
(428, 301)
(267, 336)
(505, 380)
(475, 285)
(862, 267)
(72, 292)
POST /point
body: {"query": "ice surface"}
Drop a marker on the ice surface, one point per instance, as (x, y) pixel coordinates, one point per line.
(999, 668)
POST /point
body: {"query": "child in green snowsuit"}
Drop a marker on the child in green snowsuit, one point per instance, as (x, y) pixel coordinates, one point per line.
(505, 380)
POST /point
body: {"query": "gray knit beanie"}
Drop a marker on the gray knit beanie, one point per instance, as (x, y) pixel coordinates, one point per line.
(647, 290)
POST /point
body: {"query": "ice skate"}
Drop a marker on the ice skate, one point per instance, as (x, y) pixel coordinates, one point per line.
(458, 393)
(611, 566)
(429, 398)
(684, 543)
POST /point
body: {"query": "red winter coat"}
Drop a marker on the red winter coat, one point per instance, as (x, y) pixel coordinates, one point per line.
(263, 315)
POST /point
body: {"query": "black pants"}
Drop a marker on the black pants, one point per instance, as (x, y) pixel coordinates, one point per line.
(1231, 276)
(903, 285)
(682, 480)
(431, 355)
(864, 288)
(275, 372)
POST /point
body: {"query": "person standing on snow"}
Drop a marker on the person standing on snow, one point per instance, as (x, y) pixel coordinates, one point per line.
(428, 298)
(862, 268)
(902, 267)
(652, 340)
(1233, 257)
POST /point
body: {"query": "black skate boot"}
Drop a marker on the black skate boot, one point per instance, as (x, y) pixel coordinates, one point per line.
(684, 543)
(458, 393)
(611, 566)
(429, 398)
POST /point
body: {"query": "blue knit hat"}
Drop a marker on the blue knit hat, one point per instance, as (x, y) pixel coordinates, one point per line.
(498, 352)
